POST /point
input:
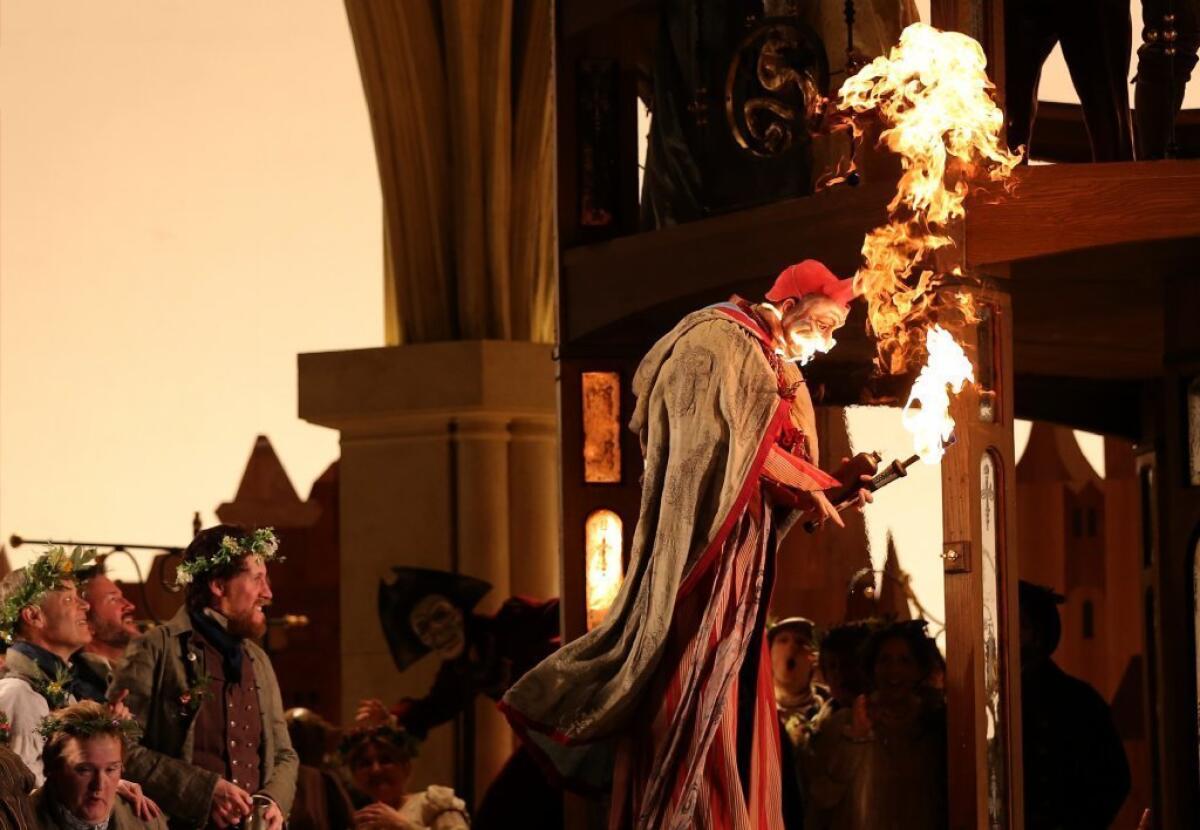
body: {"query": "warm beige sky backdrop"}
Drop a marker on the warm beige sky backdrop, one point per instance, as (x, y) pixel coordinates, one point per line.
(188, 198)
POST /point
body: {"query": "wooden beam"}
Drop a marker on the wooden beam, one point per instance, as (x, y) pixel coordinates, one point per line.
(1059, 134)
(607, 282)
(1059, 208)
(580, 15)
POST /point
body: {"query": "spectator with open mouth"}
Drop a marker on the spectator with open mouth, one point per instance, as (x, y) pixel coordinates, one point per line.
(799, 699)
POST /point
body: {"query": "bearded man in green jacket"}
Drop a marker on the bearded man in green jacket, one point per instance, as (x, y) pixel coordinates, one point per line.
(216, 747)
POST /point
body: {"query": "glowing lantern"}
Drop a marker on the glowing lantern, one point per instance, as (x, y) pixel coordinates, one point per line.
(604, 535)
(601, 428)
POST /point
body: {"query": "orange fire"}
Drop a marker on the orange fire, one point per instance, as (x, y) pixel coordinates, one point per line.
(934, 99)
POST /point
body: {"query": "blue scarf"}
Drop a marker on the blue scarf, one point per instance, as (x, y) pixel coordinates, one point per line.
(50, 666)
(229, 646)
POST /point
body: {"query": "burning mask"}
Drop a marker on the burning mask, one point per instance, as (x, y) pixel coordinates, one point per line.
(438, 624)
(808, 327)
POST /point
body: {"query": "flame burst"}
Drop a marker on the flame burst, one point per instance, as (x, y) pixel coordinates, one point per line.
(927, 413)
(934, 99)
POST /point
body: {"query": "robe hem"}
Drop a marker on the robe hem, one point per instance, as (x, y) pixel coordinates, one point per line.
(522, 725)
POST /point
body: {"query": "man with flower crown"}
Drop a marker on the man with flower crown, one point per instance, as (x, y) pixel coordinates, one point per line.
(669, 702)
(44, 622)
(216, 746)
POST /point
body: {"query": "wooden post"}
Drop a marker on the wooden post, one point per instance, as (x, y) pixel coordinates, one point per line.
(1171, 538)
(984, 775)
(979, 552)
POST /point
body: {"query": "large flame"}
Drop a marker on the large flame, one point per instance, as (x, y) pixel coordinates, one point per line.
(927, 413)
(934, 99)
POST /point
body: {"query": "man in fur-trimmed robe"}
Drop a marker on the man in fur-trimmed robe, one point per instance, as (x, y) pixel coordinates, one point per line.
(670, 699)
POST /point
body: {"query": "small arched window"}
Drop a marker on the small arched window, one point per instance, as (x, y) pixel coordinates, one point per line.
(604, 542)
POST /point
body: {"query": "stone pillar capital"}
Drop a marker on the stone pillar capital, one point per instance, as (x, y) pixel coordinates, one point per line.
(377, 391)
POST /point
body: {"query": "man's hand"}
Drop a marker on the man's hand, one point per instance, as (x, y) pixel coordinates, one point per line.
(383, 817)
(230, 804)
(143, 806)
(272, 814)
(118, 708)
(862, 497)
(825, 509)
(372, 712)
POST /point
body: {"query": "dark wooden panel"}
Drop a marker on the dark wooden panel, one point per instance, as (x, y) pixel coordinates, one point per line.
(1087, 329)
(577, 16)
(1107, 407)
(610, 281)
(1059, 134)
(1057, 208)
(579, 498)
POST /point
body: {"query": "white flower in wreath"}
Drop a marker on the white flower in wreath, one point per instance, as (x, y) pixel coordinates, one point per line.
(262, 543)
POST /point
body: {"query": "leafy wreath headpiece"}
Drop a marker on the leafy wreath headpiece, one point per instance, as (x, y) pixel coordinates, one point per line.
(261, 543)
(388, 733)
(86, 727)
(44, 574)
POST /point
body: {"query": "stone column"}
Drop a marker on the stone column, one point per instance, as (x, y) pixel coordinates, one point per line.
(447, 458)
(482, 521)
(482, 506)
(533, 509)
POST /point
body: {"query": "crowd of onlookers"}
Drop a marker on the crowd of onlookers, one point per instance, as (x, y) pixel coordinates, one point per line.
(360, 778)
(863, 727)
(103, 727)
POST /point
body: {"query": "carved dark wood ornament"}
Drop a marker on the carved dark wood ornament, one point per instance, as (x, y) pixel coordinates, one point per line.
(776, 85)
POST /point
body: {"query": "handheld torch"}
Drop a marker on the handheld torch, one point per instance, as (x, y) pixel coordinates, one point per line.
(847, 496)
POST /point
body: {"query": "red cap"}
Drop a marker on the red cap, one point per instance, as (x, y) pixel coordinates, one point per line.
(811, 277)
